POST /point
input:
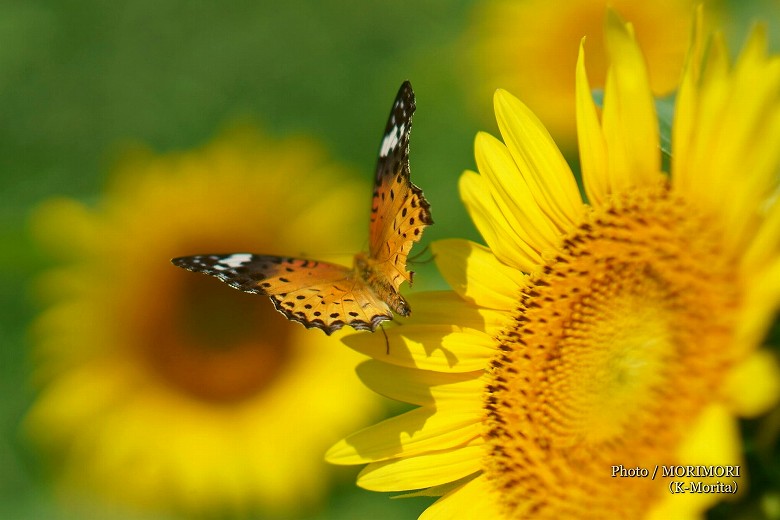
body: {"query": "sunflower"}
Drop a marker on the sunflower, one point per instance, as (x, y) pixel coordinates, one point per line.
(590, 343)
(167, 391)
(529, 47)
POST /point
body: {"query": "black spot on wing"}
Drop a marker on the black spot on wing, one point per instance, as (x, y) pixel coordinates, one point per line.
(329, 323)
(425, 208)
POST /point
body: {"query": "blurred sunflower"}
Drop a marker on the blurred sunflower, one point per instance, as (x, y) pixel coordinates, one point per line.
(529, 47)
(624, 332)
(166, 390)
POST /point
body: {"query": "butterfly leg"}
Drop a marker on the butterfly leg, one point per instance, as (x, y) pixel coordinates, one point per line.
(414, 259)
(387, 340)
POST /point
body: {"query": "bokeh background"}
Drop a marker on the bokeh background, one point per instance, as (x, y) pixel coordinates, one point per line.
(82, 82)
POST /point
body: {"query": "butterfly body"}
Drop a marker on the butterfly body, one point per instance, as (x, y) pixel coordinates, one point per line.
(329, 296)
(365, 269)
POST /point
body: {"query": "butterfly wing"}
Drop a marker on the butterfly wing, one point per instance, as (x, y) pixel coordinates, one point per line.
(399, 212)
(316, 294)
(328, 296)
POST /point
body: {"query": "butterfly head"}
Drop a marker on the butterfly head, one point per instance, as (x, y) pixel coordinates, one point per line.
(367, 270)
(401, 307)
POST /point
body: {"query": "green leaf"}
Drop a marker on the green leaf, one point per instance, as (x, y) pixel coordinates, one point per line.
(664, 107)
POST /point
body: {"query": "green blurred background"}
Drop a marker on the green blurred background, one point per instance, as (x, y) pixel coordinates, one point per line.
(83, 80)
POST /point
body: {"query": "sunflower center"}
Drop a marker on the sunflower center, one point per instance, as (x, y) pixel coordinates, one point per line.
(594, 385)
(219, 344)
(612, 353)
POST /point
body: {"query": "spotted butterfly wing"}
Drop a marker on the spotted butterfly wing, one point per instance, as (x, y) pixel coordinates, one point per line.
(317, 294)
(328, 296)
(399, 212)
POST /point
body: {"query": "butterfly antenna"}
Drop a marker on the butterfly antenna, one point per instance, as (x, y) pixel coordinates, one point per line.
(414, 258)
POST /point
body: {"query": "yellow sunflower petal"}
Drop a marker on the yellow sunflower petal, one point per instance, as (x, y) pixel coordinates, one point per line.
(669, 507)
(476, 274)
(540, 162)
(512, 195)
(436, 491)
(713, 440)
(691, 169)
(421, 387)
(752, 116)
(503, 241)
(442, 335)
(629, 122)
(422, 471)
(412, 433)
(475, 499)
(737, 116)
(432, 347)
(437, 308)
(752, 144)
(760, 307)
(763, 247)
(754, 386)
(685, 107)
(593, 154)
(763, 158)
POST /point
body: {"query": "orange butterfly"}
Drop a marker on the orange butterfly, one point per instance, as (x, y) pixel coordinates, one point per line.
(328, 296)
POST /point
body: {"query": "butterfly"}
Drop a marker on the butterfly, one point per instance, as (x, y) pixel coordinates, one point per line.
(329, 296)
